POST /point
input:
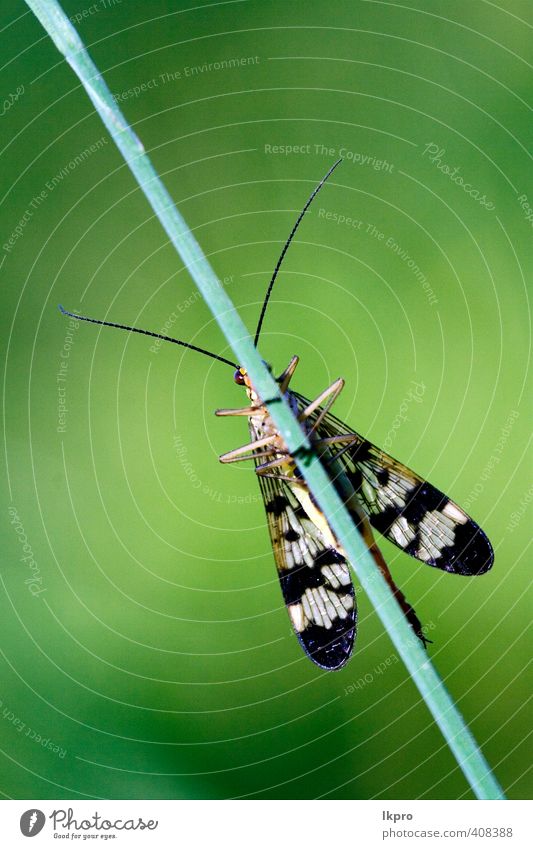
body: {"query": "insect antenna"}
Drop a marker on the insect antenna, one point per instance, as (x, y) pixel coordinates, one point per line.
(148, 333)
(285, 248)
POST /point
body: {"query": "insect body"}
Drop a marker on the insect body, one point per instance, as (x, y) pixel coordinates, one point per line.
(379, 493)
(313, 571)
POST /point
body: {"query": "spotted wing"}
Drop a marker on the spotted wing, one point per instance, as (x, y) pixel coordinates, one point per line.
(405, 508)
(315, 579)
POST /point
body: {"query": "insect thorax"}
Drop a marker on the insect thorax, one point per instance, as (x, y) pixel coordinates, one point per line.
(262, 422)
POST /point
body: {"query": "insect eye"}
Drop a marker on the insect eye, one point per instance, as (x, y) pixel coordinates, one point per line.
(238, 377)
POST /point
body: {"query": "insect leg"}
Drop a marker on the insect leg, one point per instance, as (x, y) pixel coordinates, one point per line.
(285, 377)
(278, 461)
(240, 453)
(327, 441)
(243, 411)
(332, 392)
(342, 437)
(408, 611)
(278, 477)
(254, 456)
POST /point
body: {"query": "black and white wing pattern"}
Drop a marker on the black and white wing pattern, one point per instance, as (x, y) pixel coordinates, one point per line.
(406, 509)
(314, 577)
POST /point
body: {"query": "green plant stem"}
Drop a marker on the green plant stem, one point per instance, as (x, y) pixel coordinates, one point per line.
(432, 689)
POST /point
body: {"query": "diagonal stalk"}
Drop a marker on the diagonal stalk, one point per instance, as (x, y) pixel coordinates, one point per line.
(456, 733)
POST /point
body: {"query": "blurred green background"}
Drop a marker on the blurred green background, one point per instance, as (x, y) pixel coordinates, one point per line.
(152, 656)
